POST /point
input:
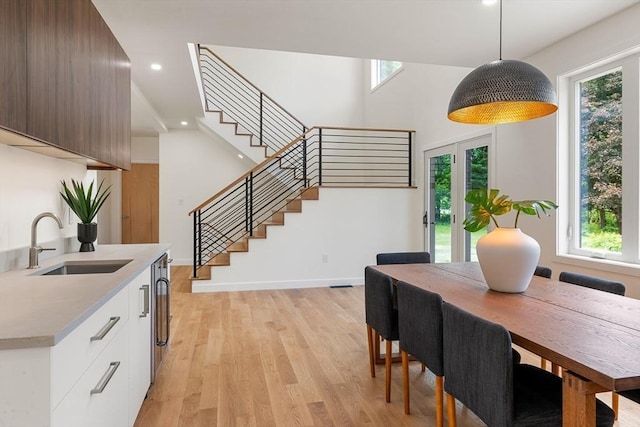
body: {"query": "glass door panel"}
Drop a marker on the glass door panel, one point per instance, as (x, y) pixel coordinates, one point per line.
(439, 210)
(476, 176)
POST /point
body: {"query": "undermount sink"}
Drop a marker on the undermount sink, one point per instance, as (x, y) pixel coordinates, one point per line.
(84, 267)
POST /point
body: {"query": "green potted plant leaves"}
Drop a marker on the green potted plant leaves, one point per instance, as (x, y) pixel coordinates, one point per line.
(85, 203)
(507, 256)
(487, 205)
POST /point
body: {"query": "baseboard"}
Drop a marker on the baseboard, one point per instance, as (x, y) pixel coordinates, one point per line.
(202, 286)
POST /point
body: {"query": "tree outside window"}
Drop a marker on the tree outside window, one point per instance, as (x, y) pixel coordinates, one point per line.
(601, 162)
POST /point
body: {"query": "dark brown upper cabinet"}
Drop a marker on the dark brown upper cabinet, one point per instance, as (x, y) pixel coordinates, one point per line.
(73, 78)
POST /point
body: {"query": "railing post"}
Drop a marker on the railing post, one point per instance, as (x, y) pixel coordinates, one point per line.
(410, 157)
(197, 238)
(320, 157)
(261, 118)
(248, 213)
(304, 159)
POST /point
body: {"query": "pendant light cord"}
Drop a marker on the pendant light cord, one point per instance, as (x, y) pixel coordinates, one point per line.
(500, 56)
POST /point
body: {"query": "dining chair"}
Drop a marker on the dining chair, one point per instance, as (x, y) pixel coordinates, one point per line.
(403, 258)
(599, 284)
(381, 318)
(593, 282)
(420, 327)
(542, 271)
(480, 373)
(387, 258)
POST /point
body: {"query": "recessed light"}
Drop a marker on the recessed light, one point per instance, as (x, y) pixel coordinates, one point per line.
(241, 156)
(489, 2)
(156, 67)
(184, 123)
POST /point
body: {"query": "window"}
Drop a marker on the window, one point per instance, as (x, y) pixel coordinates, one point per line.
(603, 186)
(383, 70)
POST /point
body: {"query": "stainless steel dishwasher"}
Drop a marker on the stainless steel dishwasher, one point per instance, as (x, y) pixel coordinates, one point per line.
(161, 312)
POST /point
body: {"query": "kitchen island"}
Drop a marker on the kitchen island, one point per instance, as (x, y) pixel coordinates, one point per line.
(74, 348)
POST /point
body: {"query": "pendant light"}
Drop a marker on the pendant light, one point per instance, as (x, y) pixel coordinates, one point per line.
(502, 91)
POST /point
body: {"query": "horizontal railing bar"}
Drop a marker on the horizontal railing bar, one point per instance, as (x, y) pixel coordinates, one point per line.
(249, 82)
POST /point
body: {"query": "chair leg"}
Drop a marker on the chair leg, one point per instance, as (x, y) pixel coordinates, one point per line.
(451, 410)
(372, 364)
(614, 403)
(543, 363)
(405, 380)
(440, 401)
(387, 365)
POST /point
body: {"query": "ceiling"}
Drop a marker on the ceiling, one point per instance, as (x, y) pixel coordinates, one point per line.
(446, 32)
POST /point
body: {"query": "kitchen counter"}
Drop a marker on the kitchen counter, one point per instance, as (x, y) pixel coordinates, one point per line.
(39, 311)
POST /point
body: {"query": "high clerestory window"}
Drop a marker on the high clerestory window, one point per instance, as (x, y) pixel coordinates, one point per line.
(601, 162)
(383, 70)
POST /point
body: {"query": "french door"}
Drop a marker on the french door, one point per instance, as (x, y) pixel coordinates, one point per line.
(450, 172)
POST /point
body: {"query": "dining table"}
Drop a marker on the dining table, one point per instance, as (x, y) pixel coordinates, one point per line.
(593, 335)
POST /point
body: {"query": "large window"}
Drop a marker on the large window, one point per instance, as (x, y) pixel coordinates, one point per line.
(383, 70)
(602, 201)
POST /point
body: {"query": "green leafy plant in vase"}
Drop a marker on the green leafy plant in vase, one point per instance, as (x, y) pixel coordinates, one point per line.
(507, 256)
(85, 203)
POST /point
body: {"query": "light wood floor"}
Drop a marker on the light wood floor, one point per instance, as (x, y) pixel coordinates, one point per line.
(281, 358)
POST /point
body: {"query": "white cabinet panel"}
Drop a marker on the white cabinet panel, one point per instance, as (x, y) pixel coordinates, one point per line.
(100, 397)
(139, 342)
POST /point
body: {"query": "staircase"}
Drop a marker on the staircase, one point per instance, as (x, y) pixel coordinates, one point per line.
(299, 160)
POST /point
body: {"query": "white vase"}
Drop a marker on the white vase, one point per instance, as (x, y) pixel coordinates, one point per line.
(508, 258)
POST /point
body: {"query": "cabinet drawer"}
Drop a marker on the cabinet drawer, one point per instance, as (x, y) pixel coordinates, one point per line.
(73, 355)
(99, 398)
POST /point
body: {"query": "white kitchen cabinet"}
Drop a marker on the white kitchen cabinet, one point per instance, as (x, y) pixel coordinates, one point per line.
(61, 386)
(139, 342)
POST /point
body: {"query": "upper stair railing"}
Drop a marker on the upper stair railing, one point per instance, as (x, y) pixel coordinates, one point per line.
(322, 156)
(227, 91)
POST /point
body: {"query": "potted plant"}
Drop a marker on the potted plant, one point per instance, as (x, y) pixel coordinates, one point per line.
(85, 204)
(507, 256)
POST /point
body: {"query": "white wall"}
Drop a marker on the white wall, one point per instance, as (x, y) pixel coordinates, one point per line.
(193, 167)
(346, 227)
(30, 185)
(316, 89)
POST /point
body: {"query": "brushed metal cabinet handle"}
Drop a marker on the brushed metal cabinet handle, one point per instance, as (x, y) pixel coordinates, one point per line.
(102, 384)
(105, 329)
(145, 310)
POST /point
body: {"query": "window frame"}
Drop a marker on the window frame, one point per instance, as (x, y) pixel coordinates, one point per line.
(375, 73)
(568, 226)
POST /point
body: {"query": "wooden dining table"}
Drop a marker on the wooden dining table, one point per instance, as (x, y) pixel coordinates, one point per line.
(593, 335)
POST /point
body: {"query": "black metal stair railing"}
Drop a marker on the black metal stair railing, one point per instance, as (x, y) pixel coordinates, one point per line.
(227, 91)
(322, 156)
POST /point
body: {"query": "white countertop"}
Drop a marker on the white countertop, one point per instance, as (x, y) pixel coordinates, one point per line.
(39, 311)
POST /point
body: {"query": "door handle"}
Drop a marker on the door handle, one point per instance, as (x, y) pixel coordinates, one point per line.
(163, 340)
(425, 219)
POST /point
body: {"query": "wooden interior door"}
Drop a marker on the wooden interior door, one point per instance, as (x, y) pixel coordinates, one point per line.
(140, 194)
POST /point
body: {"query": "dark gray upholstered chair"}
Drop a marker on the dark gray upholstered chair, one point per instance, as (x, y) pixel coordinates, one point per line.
(381, 317)
(542, 271)
(601, 285)
(479, 372)
(403, 258)
(420, 325)
(593, 283)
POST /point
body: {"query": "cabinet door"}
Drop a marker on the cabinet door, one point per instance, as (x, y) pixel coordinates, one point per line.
(13, 66)
(78, 86)
(139, 342)
(99, 398)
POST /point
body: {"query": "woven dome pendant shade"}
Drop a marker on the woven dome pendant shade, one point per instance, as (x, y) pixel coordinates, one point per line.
(502, 91)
